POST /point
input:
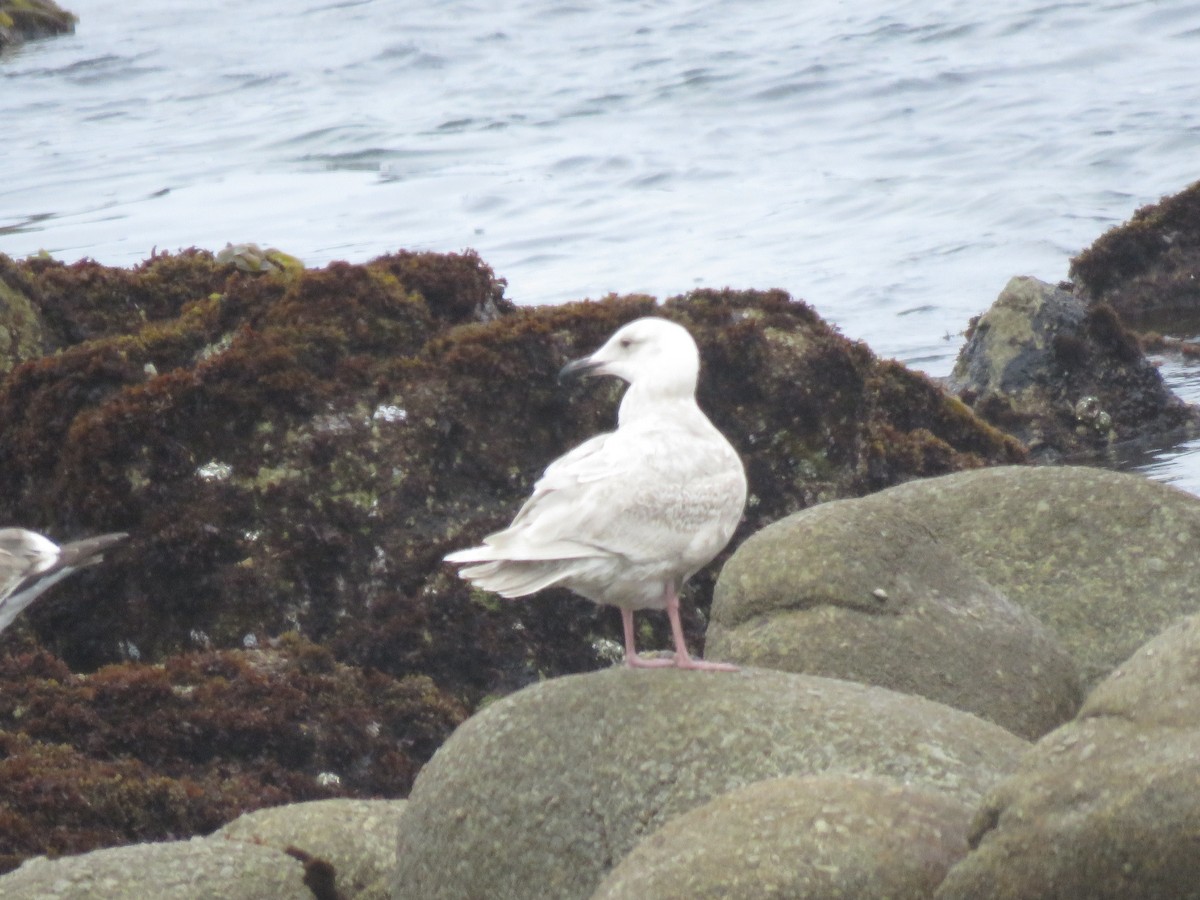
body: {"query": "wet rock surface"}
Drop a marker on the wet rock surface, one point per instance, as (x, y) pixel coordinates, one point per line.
(1064, 375)
(27, 20)
(543, 792)
(293, 451)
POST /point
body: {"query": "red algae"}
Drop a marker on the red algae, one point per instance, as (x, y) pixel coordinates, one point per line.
(294, 452)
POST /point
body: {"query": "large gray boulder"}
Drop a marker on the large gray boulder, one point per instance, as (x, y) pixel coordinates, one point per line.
(862, 590)
(198, 869)
(341, 847)
(1105, 560)
(543, 792)
(1109, 805)
(816, 837)
(356, 838)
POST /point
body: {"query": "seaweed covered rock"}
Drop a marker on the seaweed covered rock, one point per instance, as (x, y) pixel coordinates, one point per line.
(295, 450)
(1108, 806)
(1146, 268)
(26, 20)
(142, 752)
(542, 793)
(1064, 376)
(299, 450)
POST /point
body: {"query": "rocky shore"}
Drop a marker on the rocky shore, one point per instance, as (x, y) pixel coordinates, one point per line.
(27, 20)
(293, 451)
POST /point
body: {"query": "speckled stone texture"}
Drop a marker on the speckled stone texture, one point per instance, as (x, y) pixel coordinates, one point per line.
(1108, 806)
(822, 837)
(861, 590)
(198, 869)
(356, 837)
(1106, 560)
(543, 792)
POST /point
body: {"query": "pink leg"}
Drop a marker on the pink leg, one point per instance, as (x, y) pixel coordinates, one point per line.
(631, 655)
(682, 659)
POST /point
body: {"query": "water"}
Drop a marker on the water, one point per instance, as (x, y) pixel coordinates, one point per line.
(892, 163)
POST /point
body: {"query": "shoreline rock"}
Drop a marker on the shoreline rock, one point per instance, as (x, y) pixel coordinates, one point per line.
(542, 793)
(1145, 268)
(294, 450)
(1067, 378)
(869, 590)
(322, 850)
(815, 837)
(27, 20)
(1108, 806)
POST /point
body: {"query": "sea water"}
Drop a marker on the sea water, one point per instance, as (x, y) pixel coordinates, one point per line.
(891, 163)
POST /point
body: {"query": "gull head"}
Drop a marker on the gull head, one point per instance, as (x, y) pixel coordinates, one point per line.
(651, 353)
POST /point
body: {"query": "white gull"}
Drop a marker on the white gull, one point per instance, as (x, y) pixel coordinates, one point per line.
(31, 564)
(627, 517)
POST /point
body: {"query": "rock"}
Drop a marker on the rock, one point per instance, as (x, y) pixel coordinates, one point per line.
(295, 451)
(257, 261)
(816, 837)
(863, 590)
(21, 335)
(1062, 375)
(1158, 686)
(1146, 268)
(1105, 559)
(356, 838)
(198, 869)
(26, 20)
(543, 792)
(299, 450)
(1108, 806)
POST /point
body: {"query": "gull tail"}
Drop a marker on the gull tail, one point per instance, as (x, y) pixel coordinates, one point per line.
(513, 577)
(516, 578)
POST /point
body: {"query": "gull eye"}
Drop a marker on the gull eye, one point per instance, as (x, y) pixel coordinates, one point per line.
(626, 343)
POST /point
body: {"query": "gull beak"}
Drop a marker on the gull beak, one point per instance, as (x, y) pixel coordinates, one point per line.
(577, 368)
